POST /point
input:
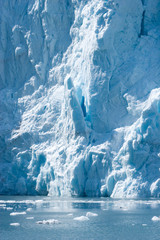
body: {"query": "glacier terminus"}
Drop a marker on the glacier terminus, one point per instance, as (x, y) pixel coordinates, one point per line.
(80, 98)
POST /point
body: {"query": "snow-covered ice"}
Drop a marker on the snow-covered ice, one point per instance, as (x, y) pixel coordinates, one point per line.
(29, 209)
(155, 218)
(49, 221)
(144, 225)
(17, 213)
(80, 98)
(70, 214)
(81, 218)
(15, 224)
(8, 208)
(91, 214)
(29, 218)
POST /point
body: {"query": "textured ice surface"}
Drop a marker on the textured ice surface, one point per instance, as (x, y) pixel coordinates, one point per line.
(80, 97)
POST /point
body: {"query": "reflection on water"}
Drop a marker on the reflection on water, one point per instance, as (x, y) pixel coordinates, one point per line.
(107, 218)
(71, 203)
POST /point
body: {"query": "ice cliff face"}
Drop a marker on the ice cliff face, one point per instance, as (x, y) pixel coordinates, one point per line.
(80, 97)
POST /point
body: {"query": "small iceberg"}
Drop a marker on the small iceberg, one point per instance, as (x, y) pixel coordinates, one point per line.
(155, 218)
(29, 218)
(29, 209)
(50, 221)
(15, 224)
(81, 218)
(17, 213)
(144, 224)
(90, 214)
(9, 208)
(70, 214)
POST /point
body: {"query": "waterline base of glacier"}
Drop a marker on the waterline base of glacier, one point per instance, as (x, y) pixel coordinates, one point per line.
(78, 218)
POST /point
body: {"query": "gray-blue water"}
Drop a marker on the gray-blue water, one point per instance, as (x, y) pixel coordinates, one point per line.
(115, 220)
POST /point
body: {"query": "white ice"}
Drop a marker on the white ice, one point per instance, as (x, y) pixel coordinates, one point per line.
(91, 214)
(15, 224)
(81, 218)
(49, 221)
(29, 209)
(80, 98)
(155, 218)
(29, 218)
(17, 213)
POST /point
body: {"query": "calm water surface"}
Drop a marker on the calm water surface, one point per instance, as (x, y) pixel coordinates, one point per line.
(115, 219)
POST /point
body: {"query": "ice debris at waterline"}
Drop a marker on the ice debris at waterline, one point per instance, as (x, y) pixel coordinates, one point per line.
(81, 218)
(155, 218)
(15, 224)
(29, 209)
(49, 221)
(29, 218)
(90, 214)
(80, 98)
(17, 213)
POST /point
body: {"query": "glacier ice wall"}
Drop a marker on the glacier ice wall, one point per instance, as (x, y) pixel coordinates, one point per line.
(80, 97)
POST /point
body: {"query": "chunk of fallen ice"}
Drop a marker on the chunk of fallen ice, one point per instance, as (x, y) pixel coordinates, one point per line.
(81, 218)
(17, 213)
(39, 201)
(2, 205)
(155, 218)
(90, 214)
(29, 209)
(14, 224)
(29, 218)
(144, 224)
(49, 221)
(9, 208)
(70, 214)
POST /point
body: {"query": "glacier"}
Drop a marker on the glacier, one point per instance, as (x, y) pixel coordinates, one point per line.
(80, 98)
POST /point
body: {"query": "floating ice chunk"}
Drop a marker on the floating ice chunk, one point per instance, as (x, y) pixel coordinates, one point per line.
(39, 201)
(9, 208)
(155, 218)
(70, 214)
(81, 218)
(90, 214)
(17, 213)
(144, 224)
(6, 208)
(2, 205)
(29, 209)
(49, 221)
(15, 224)
(29, 218)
